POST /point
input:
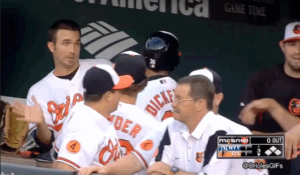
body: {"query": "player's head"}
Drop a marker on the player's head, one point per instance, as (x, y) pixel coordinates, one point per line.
(132, 64)
(290, 46)
(217, 81)
(64, 43)
(101, 88)
(161, 51)
(193, 96)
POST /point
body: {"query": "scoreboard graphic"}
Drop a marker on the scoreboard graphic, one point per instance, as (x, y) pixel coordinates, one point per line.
(250, 147)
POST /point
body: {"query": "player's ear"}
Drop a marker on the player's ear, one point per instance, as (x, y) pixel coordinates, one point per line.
(200, 104)
(108, 96)
(218, 99)
(50, 46)
(281, 44)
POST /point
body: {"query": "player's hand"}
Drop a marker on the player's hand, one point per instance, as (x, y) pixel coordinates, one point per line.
(159, 167)
(32, 114)
(292, 139)
(250, 111)
(92, 169)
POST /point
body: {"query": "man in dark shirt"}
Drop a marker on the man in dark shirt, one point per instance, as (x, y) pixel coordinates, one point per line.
(281, 83)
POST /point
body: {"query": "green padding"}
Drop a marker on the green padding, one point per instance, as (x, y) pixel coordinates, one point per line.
(12, 169)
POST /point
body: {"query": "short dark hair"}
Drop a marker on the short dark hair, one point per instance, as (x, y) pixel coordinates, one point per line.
(93, 97)
(135, 88)
(60, 25)
(201, 88)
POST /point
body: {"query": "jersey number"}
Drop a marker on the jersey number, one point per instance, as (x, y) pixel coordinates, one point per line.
(73, 146)
(127, 145)
(167, 114)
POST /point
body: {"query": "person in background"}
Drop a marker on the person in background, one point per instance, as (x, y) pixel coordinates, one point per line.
(281, 83)
(289, 122)
(131, 122)
(162, 57)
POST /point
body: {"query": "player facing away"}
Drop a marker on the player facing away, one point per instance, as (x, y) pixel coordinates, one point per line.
(162, 57)
(131, 123)
(61, 89)
(74, 147)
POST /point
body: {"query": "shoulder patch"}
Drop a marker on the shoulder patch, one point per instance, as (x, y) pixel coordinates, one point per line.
(73, 146)
(147, 145)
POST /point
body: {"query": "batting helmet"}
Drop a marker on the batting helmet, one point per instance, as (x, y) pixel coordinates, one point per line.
(161, 51)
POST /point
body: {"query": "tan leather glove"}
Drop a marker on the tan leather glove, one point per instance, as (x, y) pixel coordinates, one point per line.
(15, 131)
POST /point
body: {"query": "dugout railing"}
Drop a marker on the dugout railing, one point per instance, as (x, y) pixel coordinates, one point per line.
(13, 169)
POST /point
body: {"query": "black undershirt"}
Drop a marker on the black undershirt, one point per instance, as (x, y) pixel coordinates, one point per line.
(70, 76)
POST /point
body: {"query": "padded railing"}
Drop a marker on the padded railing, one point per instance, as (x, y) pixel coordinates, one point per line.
(14, 169)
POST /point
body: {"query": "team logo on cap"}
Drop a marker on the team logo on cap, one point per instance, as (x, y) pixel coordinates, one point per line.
(297, 29)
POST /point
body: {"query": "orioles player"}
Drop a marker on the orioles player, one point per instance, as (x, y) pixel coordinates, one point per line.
(162, 57)
(61, 89)
(73, 146)
(131, 123)
(143, 157)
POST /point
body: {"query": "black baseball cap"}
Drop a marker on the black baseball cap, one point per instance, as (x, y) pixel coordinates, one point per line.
(102, 78)
(212, 76)
(132, 64)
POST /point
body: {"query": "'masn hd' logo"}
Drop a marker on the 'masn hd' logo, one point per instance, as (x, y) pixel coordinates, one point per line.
(104, 41)
(229, 141)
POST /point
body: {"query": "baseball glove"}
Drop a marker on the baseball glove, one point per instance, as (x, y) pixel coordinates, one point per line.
(14, 131)
(2, 105)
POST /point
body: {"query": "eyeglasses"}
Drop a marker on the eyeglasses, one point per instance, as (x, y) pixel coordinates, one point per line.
(176, 100)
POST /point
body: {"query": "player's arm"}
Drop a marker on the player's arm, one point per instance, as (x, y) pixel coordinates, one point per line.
(137, 160)
(292, 140)
(217, 166)
(163, 160)
(63, 166)
(250, 93)
(127, 165)
(286, 120)
(42, 135)
(161, 168)
(76, 150)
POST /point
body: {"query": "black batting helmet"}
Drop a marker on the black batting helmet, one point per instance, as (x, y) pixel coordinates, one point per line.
(161, 51)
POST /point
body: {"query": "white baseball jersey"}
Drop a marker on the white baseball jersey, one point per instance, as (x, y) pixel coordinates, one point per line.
(156, 99)
(57, 96)
(155, 137)
(196, 152)
(132, 124)
(87, 138)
